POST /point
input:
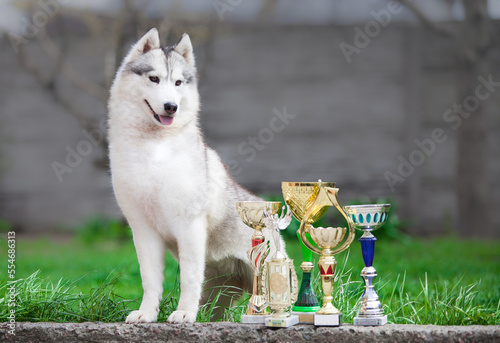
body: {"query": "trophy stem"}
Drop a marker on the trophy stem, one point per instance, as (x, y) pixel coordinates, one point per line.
(327, 265)
(258, 237)
(306, 253)
(368, 247)
(257, 304)
(371, 311)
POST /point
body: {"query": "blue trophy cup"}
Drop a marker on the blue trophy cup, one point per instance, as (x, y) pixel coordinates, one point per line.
(369, 218)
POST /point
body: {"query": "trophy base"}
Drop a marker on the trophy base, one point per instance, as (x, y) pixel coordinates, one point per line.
(254, 319)
(304, 317)
(305, 313)
(305, 309)
(370, 321)
(327, 319)
(277, 322)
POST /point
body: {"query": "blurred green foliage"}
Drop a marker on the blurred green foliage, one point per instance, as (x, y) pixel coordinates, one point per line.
(5, 226)
(101, 228)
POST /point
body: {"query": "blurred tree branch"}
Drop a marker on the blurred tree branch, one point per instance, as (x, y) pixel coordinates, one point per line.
(75, 77)
(426, 21)
(127, 25)
(472, 45)
(48, 83)
(473, 187)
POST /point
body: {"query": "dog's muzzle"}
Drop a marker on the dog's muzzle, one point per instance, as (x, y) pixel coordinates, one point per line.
(164, 119)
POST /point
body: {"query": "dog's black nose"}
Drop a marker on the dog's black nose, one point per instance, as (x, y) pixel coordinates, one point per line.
(170, 107)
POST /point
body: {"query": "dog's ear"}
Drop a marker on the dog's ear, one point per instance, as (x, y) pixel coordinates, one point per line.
(185, 48)
(150, 41)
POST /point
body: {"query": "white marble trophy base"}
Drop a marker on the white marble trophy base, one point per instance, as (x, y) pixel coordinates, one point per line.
(370, 321)
(276, 322)
(327, 319)
(254, 319)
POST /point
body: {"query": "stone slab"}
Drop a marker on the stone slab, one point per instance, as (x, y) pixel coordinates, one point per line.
(232, 332)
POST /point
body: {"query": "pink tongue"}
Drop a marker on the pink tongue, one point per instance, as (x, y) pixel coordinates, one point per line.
(166, 120)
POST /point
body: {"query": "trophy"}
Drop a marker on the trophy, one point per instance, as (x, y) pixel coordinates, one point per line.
(328, 242)
(279, 275)
(252, 214)
(299, 196)
(368, 218)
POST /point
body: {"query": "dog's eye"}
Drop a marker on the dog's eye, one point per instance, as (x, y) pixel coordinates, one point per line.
(154, 79)
(178, 82)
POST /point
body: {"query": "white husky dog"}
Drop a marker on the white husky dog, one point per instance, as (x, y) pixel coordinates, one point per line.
(174, 190)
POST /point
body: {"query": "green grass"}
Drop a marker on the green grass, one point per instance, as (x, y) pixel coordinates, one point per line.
(443, 281)
(94, 277)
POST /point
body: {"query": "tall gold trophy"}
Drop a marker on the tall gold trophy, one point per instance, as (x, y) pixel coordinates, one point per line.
(252, 214)
(326, 242)
(299, 196)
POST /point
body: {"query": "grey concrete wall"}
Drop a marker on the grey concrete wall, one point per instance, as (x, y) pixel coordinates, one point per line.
(349, 122)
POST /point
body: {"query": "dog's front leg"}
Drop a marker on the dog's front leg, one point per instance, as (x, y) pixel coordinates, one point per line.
(192, 246)
(150, 250)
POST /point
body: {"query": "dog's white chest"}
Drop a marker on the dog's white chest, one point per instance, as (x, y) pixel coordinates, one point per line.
(165, 182)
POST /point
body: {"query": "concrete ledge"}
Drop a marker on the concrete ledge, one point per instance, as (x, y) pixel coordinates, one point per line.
(231, 332)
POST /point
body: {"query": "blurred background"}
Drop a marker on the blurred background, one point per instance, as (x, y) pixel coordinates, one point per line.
(393, 100)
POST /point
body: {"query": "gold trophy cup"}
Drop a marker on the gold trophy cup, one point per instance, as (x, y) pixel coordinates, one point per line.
(300, 196)
(328, 242)
(252, 214)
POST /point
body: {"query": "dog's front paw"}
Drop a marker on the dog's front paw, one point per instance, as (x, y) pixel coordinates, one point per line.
(179, 317)
(141, 316)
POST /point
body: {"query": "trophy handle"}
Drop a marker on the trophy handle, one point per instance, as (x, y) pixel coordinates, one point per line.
(332, 194)
(303, 230)
(322, 200)
(295, 283)
(258, 254)
(327, 196)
